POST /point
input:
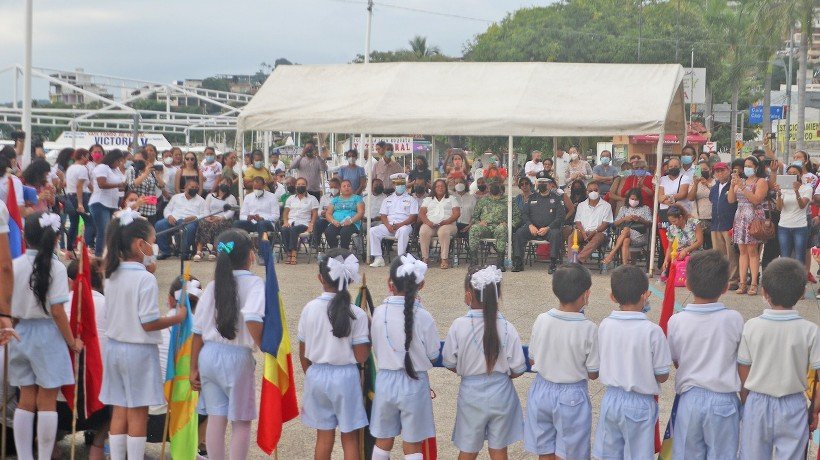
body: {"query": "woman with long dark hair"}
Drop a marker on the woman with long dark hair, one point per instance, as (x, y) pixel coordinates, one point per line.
(109, 181)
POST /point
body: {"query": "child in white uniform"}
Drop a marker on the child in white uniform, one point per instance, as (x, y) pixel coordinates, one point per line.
(131, 371)
(564, 353)
(227, 330)
(703, 339)
(334, 337)
(39, 362)
(635, 360)
(405, 343)
(485, 350)
(775, 351)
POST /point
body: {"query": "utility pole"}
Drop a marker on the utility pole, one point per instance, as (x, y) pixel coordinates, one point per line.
(362, 144)
(27, 85)
(640, 28)
(787, 134)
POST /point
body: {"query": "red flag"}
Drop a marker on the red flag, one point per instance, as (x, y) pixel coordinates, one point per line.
(429, 449)
(14, 214)
(668, 298)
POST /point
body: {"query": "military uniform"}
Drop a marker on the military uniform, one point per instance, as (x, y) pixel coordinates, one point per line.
(493, 212)
(540, 211)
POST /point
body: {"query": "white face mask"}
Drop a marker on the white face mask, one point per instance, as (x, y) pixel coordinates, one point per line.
(130, 204)
(258, 193)
(351, 161)
(460, 187)
(334, 192)
(168, 161)
(151, 259)
(634, 203)
(593, 196)
(573, 156)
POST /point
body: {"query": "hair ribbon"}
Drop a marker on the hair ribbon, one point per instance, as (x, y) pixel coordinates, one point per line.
(484, 277)
(344, 271)
(411, 266)
(50, 220)
(225, 247)
(127, 216)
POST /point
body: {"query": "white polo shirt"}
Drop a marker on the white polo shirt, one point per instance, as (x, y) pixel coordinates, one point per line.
(440, 210)
(73, 175)
(533, 167)
(108, 197)
(464, 349)
(703, 340)
(316, 332)
(561, 167)
(591, 217)
(780, 346)
(301, 209)
(182, 207)
(564, 346)
(387, 335)
(4, 218)
(131, 295)
(251, 304)
(24, 304)
(633, 351)
(266, 206)
(399, 208)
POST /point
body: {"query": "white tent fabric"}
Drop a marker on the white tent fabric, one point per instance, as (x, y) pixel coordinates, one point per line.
(479, 99)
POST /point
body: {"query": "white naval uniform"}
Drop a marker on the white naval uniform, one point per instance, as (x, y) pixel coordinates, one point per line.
(397, 208)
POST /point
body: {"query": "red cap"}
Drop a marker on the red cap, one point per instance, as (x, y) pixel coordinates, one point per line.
(721, 165)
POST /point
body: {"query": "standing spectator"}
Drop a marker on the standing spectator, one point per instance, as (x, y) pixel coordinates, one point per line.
(144, 179)
(592, 218)
(466, 202)
(634, 221)
(36, 176)
(674, 188)
(699, 197)
(749, 192)
(104, 199)
(455, 167)
(299, 216)
(639, 178)
(605, 173)
(578, 168)
(209, 228)
(561, 160)
(366, 162)
(172, 164)
(211, 171)
(19, 139)
(256, 169)
(615, 198)
(386, 167)
(229, 174)
(687, 159)
(189, 170)
(723, 218)
(398, 213)
(438, 215)
(354, 173)
(421, 171)
(549, 168)
(184, 208)
(542, 218)
(310, 168)
(793, 229)
(276, 165)
(345, 216)
(78, 191)
(534, 166)
(686, 230)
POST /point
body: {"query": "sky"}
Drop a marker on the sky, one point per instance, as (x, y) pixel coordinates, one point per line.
(166, 40)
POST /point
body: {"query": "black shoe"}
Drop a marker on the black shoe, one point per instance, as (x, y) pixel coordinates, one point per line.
(554, 263)
(163, 256)
(517, 265)
(500, 262)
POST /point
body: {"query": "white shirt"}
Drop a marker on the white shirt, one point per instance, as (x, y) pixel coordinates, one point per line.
(18, 188)
(672, 187)
(464, 349)
(591, 217)
(316, 332)
(24, 304)
(690, 173)
(779, 346)
(375, 205)
(182, 207)
(131, 295)
(169, 174)
(466, 203)
(703, 340)
(4, 218)
(108, 197)
(399, 208)
(73, 175)
(564, 346)
(267, 206)
(440, 210)
(387, 335)
(301, 210)
(324, 202)
(533, 167)
(561, 165)
(792, 215)
(214, 204)
(99, 316)
(633, 351)
(366, 164)
(251, 305)
(280, 190)
(274, 168)
(211, 172)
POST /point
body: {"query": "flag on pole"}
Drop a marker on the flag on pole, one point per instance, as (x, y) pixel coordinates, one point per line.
(665, 448)
(16, 242)
(278, 402)
(182, 399)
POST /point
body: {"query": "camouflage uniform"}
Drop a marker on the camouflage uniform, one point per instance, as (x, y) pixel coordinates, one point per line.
(493, 211)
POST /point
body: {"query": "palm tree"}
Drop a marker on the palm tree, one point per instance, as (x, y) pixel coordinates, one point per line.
(418, 46)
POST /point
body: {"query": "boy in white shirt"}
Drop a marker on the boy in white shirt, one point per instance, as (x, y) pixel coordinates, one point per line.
(564, 352)
(775, 351)
(703, 339)
(635, 360)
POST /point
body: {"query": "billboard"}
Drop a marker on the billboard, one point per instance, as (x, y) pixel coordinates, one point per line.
(694, 85)
(401, 145)
(756, 114)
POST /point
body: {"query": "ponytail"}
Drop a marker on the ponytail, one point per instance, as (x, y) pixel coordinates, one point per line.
(118, 240)
(406, 284)
(43, 238)
(338, 311)
(488, 296)
(233, 249)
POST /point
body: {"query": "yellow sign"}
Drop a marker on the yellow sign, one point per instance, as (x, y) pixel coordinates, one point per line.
(811, 132)
(738, 146)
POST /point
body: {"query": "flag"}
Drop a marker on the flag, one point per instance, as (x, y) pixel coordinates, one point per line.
(278, 402)
(183, 421)
(366, 441)
(83, 324)
(665, 447)
(16, 242)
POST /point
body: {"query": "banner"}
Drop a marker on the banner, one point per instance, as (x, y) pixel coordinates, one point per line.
(401, 145)
(109, 140)
(694, 85)
(811, 133)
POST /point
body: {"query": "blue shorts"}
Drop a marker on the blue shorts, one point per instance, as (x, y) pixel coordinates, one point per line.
(707, 425)
(333, 397)
(626, 427)
(772, 424)
(131, 375)
(40, 357)
(559, 419)
(227, 376)
(402, 406)
(488, 409)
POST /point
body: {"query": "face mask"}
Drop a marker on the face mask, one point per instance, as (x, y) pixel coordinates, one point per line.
(543, 188)
(797, 163)
(301, 189)
(334, 192)
(138, 165)
(400, 189)
(351, 161)
(460, 187)
(210, 159)
(640, 172)
(378, 190)
(129, 163)
(309, 153)
(634, 203)
(573, 156)
(686, 159)
(482, 187)
(168, 161)
(559, 191)
(705, 174)
(418, 190)
(388, 154)
(291, 189)
(258, 193)
(151, 259)
(192, 192)
(748, 172)
(605, 160)
(495, 190)
(673, 172)
(593, 196)
(258, 164)
(130, 204)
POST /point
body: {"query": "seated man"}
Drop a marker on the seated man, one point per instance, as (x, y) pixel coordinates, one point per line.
(376, 197)
(187, 206)
(542, 216)
(592, 218)
(490, 221)
(260, 210)
(397, 213)
(321, 222)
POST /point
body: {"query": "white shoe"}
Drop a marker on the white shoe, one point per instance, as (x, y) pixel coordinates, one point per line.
(378, 261)
(197, 258)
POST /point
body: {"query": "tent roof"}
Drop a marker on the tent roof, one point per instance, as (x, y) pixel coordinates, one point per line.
(471, 98)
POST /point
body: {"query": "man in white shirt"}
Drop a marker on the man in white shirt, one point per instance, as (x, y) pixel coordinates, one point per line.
(275, 164)
(534, 166)
(687, 160)
(260, 210)
(561, 163)
(397, 213)
(183, 208)
(592, 218)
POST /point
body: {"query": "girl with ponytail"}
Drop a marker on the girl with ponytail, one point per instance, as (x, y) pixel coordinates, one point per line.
(405, 343)
(333, 338)
(39, 361)
(485, 350)
(227, 330)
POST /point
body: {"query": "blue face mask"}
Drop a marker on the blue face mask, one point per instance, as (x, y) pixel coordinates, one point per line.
(388, 154)
(605, 160)
(797, 163)
(748, 172)
(400, 189)
(686, 159)
(640, 172)
(210, 159)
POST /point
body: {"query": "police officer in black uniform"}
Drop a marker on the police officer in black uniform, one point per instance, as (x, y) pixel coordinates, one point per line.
(542, 218)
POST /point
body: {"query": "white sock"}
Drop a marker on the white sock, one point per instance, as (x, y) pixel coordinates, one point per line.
(46, 434)
(380, 454)
(117, 443)
(136, 447)
(23, 433)
(240, 440)
(215, 437)
(416, 456)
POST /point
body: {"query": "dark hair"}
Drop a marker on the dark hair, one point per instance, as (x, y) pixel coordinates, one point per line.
(446, 188)
(707, 274)
(176, 285)
(334, 179)
(408, 286)
(784, 281)
(690, 147)
(18, 135)
(257, 152)
(81, 153)
(570, 282)
(579, 193)
(424, 164)
(118, 240)
(226, 294)
(628, 284)
(489, 303)
(36, 174)
(112, 157)
(760, 170)
(338, 310)
(43, 240)
(7, 154)
(524, 181)
(97, 145)
(213, 150)
(795, 167)
(636, 192)
(737, 162)
(352, 152)
(96, 280)
(63, 158)
(676, 210)
(756, 152)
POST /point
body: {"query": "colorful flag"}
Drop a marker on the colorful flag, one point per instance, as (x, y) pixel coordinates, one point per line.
(278, 402)
(182, 399)
(16, 242)
(668, 308)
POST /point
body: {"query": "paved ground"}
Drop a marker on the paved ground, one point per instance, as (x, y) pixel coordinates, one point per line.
(525, 295)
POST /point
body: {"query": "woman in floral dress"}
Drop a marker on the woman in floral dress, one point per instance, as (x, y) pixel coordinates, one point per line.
(686, 230)
(749, 191)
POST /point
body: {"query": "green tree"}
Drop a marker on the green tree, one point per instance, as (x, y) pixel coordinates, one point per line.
(217, 84)
(418, 45)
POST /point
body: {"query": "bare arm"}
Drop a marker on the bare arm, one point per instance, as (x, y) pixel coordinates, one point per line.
(165, 322)
(662, 378)
(302, 359)
(761, 189)
(361, 352)
(743, 372)
(255, 329)
(196, 347)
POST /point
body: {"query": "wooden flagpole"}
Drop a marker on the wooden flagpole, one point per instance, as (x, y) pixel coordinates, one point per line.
(5, 400)
(79, 313)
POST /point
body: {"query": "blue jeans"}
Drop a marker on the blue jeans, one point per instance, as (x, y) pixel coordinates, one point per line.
(74, 220)
(260, 227)
(164, 241)
(793, 242)
(101, 215)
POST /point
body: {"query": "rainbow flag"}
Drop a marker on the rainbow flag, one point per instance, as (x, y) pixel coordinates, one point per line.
(182, 400)
(278, 403)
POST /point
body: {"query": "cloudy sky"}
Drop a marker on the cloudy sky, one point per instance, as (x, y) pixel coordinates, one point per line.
(165, 40)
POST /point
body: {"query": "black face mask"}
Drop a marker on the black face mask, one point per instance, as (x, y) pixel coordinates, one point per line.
(291, 189)
(706, 174)
(543, 188)
(482, 188)
(192, 192)
(495, 190)
(225, 189)
(673, 172)
(418, 189)
(378, 190)
(139, 165)
(301, 189)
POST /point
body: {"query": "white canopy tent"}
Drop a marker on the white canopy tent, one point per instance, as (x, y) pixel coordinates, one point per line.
(473, 99)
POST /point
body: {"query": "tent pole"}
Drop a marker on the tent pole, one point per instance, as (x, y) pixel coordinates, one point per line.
(658, 162)
(369, 190)
(509, 200)
(26, 121)
(238, 146)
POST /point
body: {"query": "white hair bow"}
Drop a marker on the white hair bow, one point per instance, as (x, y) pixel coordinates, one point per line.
(345, 271)
(484, 277)
(193, 288)
(50, 220)
(409, 265)
(127, 216)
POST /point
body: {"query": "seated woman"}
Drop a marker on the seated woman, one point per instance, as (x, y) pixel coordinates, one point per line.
(301, 211)
(634, 221)
(577, 194)
(344, 215)
(438, 215)
(210, 227)
(686, 230)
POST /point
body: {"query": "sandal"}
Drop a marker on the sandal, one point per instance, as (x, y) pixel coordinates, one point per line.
(445, 264)
(741, 289)
(752, 289)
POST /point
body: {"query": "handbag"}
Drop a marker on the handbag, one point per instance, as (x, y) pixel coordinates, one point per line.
(680, 272)
(762, 229)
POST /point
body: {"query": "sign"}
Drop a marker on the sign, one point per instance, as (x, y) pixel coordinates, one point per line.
(694, 85)
(710, 147)
(756, 114)
(739, 137)
(738, 145)
(810, 134)
(401, 145)
(109, 140)
(722, 112)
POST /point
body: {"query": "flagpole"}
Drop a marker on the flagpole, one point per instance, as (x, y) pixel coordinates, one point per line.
(79, 313)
